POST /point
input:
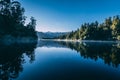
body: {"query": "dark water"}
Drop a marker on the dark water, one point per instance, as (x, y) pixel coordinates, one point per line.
(52, 60)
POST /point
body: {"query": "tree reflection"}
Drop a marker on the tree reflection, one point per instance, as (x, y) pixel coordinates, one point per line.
(12, 59)
(108, 52)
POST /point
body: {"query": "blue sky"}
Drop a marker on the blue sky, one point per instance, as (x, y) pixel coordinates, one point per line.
(68, 15)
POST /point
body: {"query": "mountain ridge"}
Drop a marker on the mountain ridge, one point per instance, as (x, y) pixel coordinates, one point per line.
(50, 35)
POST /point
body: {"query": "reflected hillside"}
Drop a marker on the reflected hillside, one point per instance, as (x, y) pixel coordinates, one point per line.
(108, 52)
(12, 59)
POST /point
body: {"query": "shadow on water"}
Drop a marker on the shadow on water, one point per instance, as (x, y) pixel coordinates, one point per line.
(12, 58)
(108, 52)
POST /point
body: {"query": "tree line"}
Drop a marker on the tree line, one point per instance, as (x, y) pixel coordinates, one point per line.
(108, 30)
(12, 20)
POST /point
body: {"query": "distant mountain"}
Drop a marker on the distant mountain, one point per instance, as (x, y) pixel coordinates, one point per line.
(50, 35)
(50, 43)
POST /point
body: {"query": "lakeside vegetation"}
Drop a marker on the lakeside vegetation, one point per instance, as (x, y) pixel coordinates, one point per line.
(12, 21)
(108, 30)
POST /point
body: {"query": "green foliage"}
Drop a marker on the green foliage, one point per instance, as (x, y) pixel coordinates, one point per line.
(118, 37)
(109, 30)
(12, 20)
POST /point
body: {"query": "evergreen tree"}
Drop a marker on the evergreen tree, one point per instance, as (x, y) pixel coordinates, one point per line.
(109, 30)
(12, 20)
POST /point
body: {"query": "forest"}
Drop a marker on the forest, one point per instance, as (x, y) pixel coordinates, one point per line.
(12, 21)
(108, 30)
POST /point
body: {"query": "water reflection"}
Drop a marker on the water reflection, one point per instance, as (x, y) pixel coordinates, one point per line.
(55, 60)
(109, 52)
(12, 59)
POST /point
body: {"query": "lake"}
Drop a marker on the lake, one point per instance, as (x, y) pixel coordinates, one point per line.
(60, 60)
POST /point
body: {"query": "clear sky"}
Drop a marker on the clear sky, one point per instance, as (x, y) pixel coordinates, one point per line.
(68, 15)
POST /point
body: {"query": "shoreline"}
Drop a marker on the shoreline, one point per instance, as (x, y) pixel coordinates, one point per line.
(11, 40)
(69, 40)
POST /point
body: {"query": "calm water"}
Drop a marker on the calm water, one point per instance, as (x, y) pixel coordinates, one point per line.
(52, 60)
